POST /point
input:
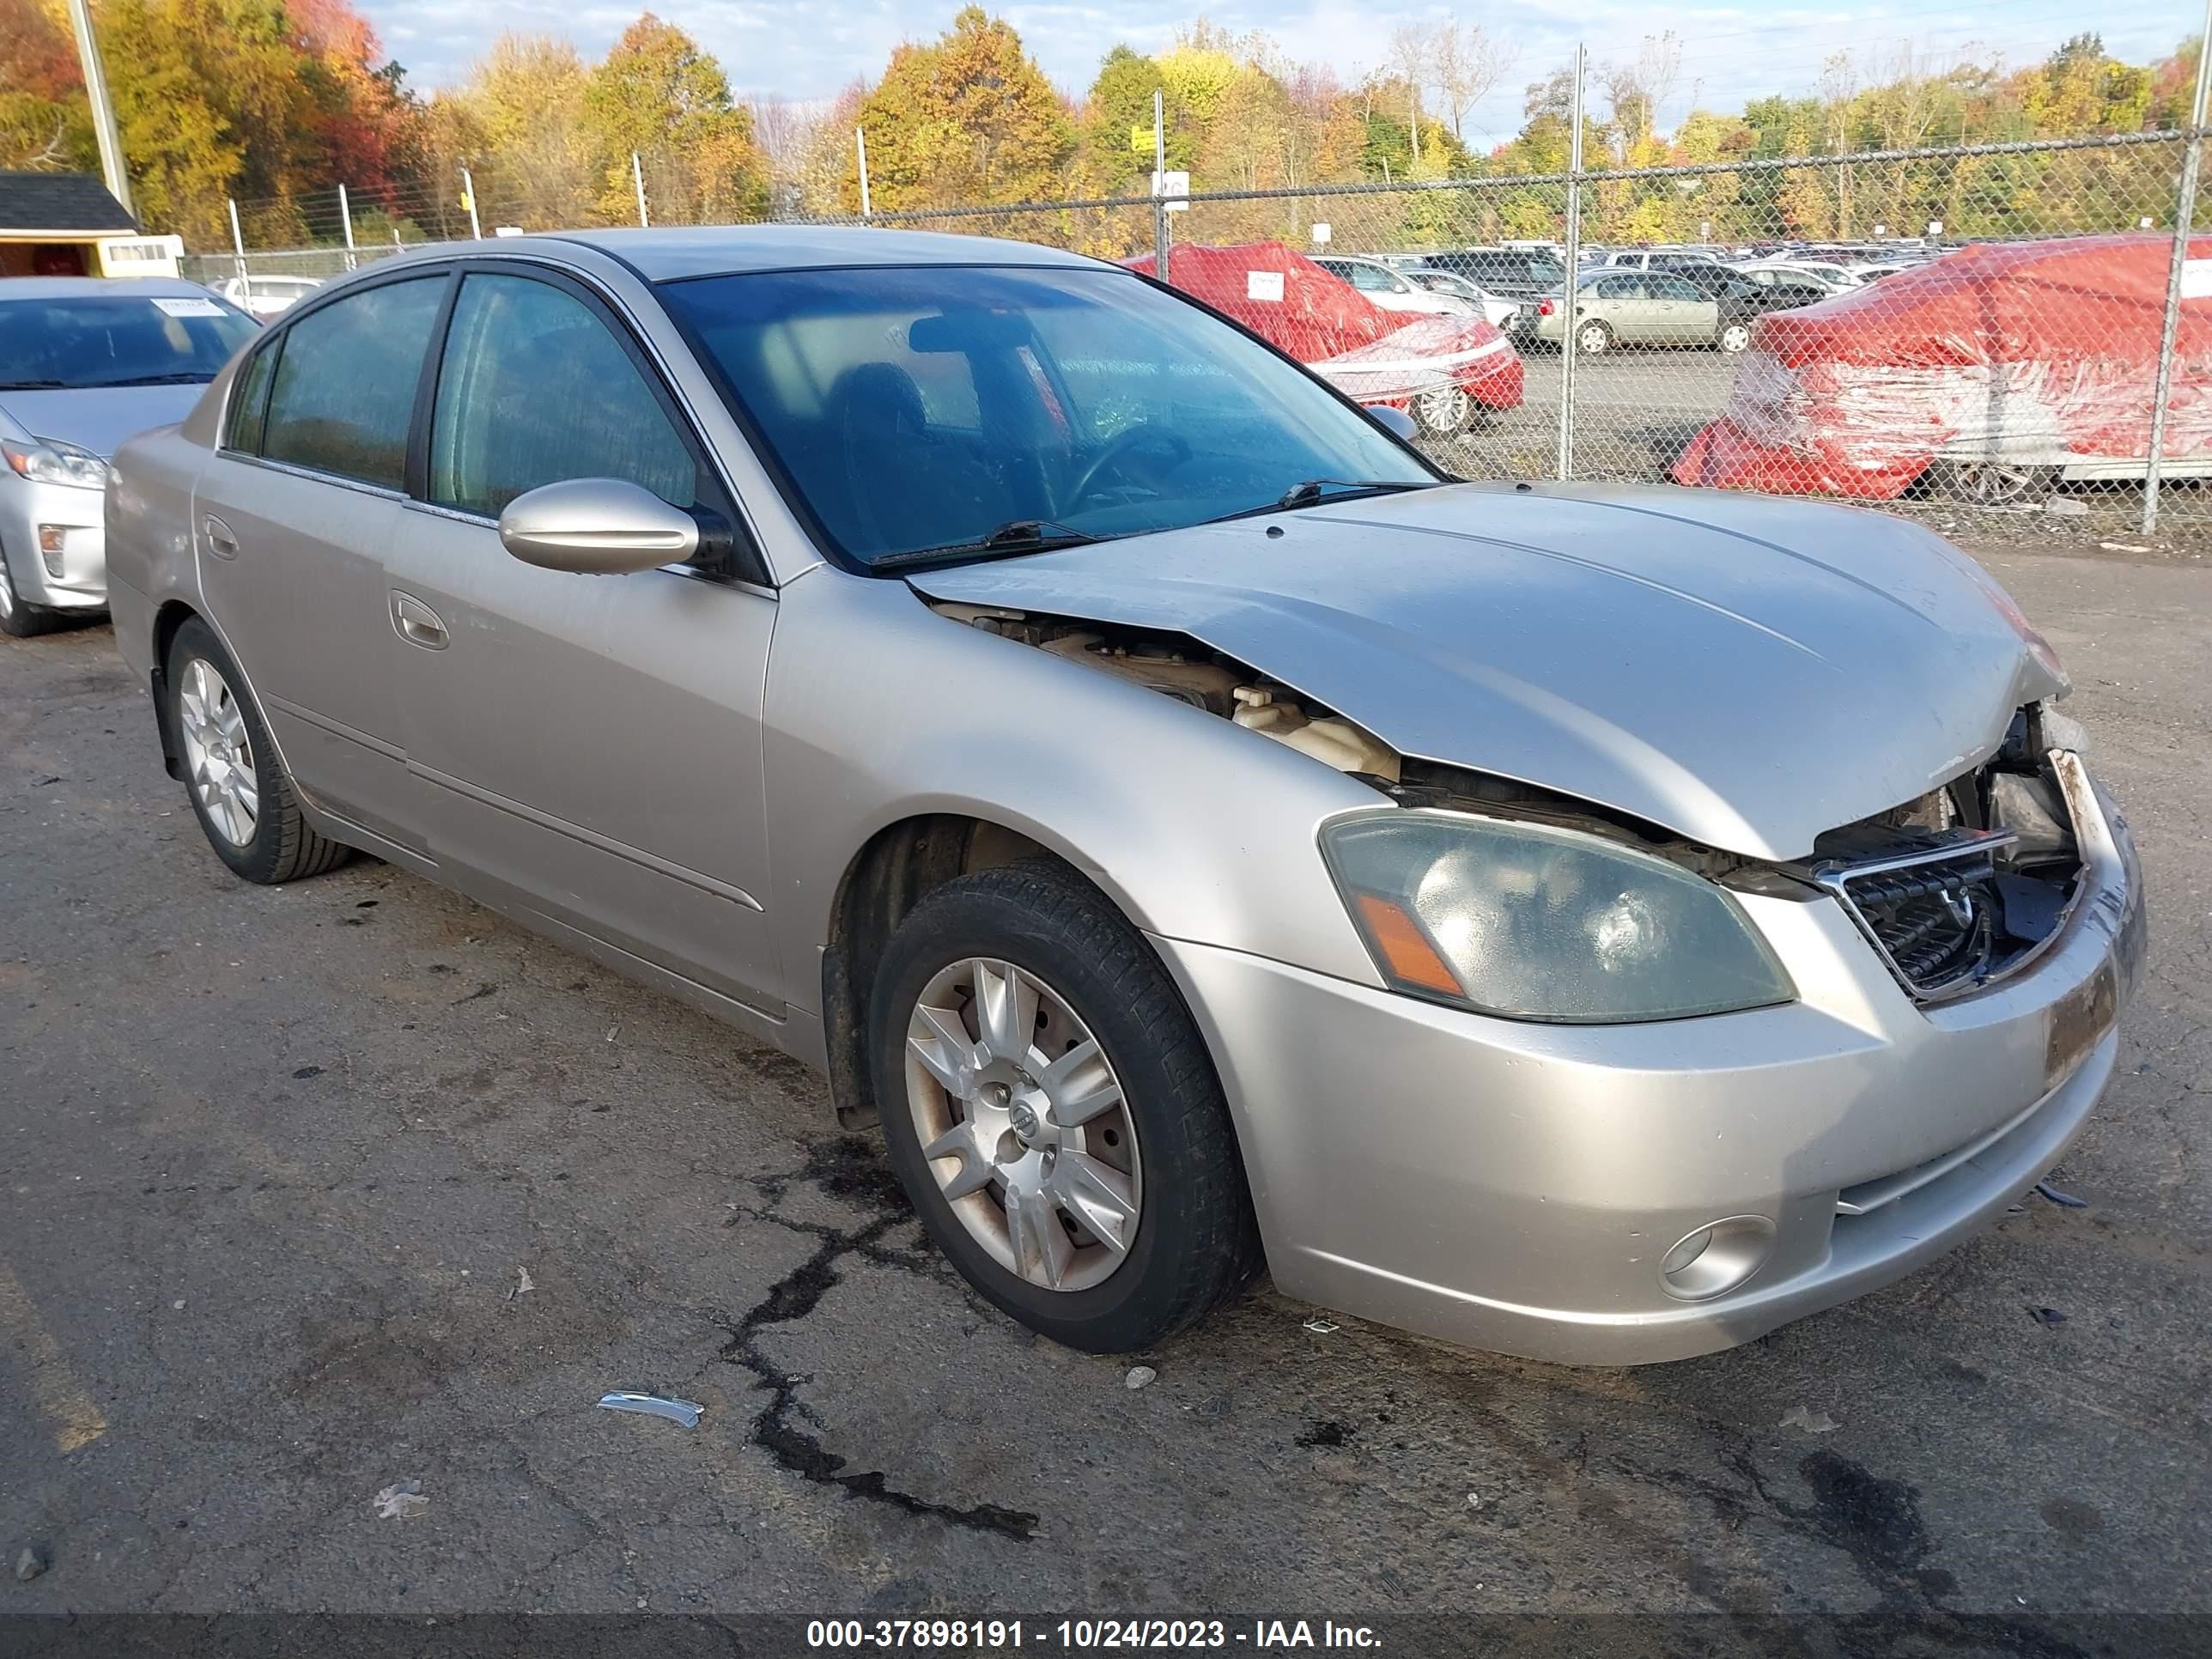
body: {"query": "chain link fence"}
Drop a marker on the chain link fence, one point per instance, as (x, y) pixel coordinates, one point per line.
(1976, 334)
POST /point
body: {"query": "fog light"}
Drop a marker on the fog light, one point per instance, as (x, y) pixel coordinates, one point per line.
(1716, 1259)
(52, 538)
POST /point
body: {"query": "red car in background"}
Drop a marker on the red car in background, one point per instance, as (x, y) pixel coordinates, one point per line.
(1994, 372)
(1445, 371)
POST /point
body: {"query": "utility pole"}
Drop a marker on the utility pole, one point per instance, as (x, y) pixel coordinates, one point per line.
(1572, 322)
(103, 108)
(345, 217)
(860, 149)
(238, 246)
(2183, 222)
(1160, 186)
(469, 201)
(637, 178)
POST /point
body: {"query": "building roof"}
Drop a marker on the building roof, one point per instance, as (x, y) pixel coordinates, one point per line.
(61, 202)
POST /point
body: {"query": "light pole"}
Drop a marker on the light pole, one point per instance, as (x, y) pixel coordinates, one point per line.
(103, 109)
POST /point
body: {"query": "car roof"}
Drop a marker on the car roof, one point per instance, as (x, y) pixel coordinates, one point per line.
(64, 288)
(669, 255)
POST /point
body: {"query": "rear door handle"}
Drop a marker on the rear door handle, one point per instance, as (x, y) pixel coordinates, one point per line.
(417, 623)
(221, 542)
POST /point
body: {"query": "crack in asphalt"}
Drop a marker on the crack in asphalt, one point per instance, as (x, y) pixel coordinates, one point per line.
(848, 1168)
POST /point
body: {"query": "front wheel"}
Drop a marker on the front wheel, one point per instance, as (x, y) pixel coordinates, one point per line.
(19, 619)
(240, 793)
(1593, 340)
(1053, 1115)
(1734, 337)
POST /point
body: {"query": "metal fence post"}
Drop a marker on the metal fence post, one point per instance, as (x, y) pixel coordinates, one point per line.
(345, 218)
(1160, 186)
(469, 200)
(238, 245)
(860, 149)
(2183, 222)
(637, 178)
(1567, 467)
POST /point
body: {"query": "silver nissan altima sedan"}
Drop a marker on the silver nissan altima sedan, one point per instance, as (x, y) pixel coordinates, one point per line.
(1595, 923)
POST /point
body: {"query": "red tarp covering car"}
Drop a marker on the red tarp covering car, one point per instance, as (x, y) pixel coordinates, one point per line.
(1371, 354)
(2027, 355)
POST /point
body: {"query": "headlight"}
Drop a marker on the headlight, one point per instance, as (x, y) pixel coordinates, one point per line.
(1533, 922)
(49, 460)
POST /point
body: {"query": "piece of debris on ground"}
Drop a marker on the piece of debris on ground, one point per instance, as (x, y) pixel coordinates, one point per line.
(29, 1564)
(683, 1412)
(400, 1500)
(1813, 1422)
(1139, 1376)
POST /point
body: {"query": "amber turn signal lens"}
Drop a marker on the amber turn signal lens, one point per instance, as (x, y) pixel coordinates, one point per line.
(1412, 960)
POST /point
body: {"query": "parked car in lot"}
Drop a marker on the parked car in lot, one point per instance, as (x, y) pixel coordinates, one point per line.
(85, 362)
(1834, 277)
(1510, 273)
(1599, 923)
(1993, 375)
(1615, 305)
(1447, 372)
(267, 296)
(1496, 310)
(1394, 290)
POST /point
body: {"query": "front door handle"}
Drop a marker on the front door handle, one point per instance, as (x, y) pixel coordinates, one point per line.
(221, 542)
(417, 623)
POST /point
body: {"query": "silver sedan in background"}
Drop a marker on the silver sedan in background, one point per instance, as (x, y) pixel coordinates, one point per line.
(1596, 923)
(84, 363)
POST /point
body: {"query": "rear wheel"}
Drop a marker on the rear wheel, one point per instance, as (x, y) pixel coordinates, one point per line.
(1053, 1115)
(245, 805)
(19, 618)
(1733, 336)
(1995, 483)
(1593, 340)
(1444, 413)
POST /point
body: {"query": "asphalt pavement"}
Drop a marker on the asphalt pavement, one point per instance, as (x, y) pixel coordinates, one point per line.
(314, 1191)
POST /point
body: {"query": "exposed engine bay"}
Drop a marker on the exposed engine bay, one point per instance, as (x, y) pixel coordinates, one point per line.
(1956, 889)
(1967, 884)
(1182, 668)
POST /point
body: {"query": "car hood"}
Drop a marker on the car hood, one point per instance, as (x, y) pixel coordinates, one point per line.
(100, 418)
(1744, 672)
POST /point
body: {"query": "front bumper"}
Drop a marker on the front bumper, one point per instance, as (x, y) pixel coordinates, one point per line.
(81, 583)
(1515, 1186)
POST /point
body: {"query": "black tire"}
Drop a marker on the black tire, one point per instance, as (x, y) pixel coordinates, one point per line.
(283, 848)
(18, 618)
(1196, 1244)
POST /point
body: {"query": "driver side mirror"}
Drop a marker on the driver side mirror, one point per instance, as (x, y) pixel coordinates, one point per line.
(1396, 422)
(597, 527)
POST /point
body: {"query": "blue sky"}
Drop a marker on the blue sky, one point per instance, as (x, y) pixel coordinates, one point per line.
(1730, 53)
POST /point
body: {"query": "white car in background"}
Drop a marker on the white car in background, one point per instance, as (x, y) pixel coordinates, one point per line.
(267, 296)
(1392, 290)
(1496, 312)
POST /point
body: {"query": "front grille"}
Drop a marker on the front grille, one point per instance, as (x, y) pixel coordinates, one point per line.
(1934, 916)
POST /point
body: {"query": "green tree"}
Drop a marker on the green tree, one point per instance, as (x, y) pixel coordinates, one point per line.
(968, 117)
(659, 97)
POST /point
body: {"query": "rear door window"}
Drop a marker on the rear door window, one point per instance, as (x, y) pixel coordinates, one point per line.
(345, 391)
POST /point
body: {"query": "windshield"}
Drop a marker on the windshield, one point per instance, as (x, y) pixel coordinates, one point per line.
(919, 407)
(1543, 267)
(94, 340)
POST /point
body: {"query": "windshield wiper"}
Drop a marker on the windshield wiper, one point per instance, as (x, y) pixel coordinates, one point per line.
(1309, 490)
(1015, 536)
(153, 380)
(33, 386)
